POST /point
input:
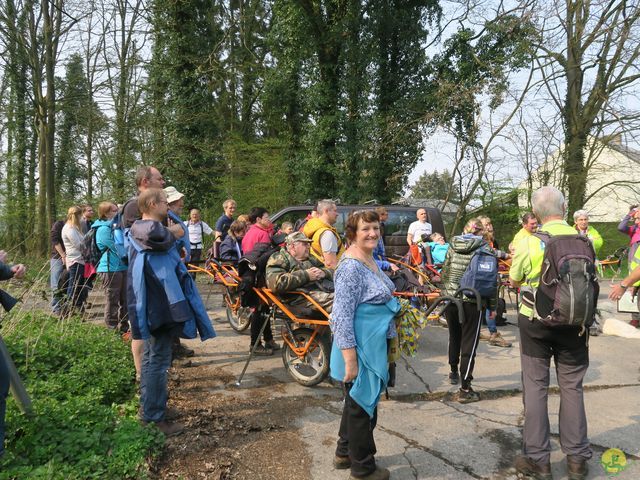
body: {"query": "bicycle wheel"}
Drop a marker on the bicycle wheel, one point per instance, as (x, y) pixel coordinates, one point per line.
(313, 367)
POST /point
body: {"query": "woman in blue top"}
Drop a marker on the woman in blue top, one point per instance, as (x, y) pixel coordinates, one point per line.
(231, 246)
(111, 269)
(361, 321)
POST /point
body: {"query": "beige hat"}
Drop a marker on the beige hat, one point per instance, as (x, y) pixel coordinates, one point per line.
(173, 195)
(297, 237)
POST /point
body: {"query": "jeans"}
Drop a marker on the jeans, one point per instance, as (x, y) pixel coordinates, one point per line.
(76, 290)
(57, 267)
(4, 392)
(156, 361)
(491, 322)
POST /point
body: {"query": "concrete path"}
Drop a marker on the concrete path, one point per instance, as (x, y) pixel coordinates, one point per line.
(423, 433)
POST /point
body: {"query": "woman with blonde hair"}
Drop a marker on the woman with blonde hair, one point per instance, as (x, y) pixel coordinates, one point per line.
(72, 239)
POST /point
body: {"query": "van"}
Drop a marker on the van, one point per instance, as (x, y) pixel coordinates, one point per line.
(395, 228)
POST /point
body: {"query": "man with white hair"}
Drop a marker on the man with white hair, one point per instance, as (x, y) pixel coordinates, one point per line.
(581, 224)
(538, 343)
(326, 244)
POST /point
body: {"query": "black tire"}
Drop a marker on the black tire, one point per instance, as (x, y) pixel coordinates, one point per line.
(313, 368)
(239, 319)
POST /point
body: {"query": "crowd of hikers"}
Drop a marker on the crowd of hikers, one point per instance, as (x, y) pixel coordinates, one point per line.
(140, 250)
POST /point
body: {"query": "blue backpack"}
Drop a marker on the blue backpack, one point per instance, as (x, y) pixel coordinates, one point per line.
(481, 274)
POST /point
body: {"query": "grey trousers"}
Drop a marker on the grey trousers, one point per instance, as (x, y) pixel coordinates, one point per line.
(535, 383)
(115, 308)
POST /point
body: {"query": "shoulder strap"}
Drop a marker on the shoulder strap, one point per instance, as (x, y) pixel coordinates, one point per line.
(544, 236)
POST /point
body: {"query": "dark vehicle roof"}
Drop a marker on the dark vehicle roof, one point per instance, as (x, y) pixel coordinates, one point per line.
(435, 217)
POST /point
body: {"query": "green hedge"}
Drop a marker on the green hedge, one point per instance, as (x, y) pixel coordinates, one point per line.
(80, 379)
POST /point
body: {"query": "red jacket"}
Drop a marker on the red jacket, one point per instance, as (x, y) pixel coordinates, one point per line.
(255, 234)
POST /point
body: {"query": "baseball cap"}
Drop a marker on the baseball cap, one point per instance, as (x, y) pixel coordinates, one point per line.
(297, 237)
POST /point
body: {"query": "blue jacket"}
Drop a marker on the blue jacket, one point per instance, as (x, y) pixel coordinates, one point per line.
(438, 251)
(370, 324)
(110, 259)
(182, 242)
(163, 292)
(229, 249)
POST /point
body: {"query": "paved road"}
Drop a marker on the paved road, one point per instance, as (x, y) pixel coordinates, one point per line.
(424, 434)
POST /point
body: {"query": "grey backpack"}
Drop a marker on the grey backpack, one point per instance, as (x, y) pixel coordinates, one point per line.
(567, 295)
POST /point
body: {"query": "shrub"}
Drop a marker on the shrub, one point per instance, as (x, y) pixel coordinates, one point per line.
(80, 378)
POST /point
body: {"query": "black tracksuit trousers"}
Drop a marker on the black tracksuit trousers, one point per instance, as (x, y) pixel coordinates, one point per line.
(463, 339)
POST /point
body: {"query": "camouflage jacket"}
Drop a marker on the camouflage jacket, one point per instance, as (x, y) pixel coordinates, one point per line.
(285, 273)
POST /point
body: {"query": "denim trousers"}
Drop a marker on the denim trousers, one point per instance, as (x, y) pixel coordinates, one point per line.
(4, 392)
(57, 267)
(156, 361)
(491, 322)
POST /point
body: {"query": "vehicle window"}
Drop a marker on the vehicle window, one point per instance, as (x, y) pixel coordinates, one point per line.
(291, 216)
(398, 222)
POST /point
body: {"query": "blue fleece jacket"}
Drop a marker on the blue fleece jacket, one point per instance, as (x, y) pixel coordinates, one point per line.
(164, 293)
(110, 259)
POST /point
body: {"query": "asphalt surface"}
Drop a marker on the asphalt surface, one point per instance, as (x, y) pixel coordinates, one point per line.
(423, 433)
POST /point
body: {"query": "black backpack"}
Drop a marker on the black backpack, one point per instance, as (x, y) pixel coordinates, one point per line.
(89, 248)
(252, 269)
(567, 295)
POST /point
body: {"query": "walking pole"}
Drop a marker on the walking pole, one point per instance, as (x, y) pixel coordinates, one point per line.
(17, 387)
(253, 349)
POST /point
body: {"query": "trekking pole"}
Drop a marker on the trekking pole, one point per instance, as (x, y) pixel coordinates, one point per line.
(253, 349)
(17, 387)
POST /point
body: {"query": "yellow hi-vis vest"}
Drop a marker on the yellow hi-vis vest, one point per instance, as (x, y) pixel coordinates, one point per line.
(314, 229)
(635, 261)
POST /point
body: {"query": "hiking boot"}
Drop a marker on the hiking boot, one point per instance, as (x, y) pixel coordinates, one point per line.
(378, 474)
(272, 344)
(468, 396)
(168, 428)
(263, 351)
(497, 341)
(484, 335)
(454, 378)
(529, 469)
(341, 463)
(635, 323)
(180, 351)
(171, 413)
(577, 468)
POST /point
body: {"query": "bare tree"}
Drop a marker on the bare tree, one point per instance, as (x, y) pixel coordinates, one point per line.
(588, 56)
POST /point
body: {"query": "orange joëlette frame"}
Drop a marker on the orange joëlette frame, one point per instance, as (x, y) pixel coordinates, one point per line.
(228, 276)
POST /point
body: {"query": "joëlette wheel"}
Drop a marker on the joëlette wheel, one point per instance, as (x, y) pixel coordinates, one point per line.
(313, 367)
